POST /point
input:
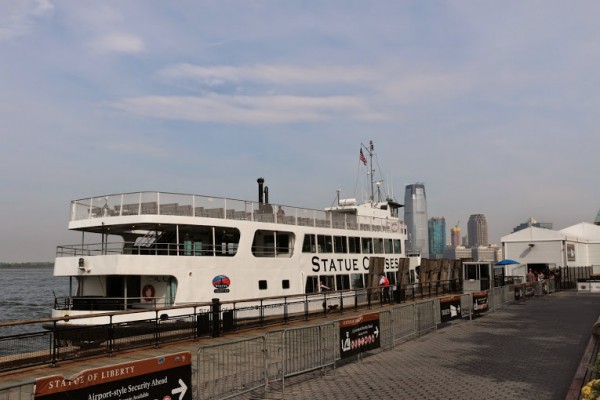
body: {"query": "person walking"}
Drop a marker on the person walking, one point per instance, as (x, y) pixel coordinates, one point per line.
(384, 283)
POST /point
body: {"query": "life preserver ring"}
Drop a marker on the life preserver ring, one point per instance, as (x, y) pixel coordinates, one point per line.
(148, 292)
(394, 227)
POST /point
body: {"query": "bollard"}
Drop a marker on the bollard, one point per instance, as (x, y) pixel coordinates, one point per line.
(216, 318)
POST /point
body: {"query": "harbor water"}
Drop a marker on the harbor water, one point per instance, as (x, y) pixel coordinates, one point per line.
(28, 294)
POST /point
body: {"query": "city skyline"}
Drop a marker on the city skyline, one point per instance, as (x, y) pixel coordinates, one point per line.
(492, 105)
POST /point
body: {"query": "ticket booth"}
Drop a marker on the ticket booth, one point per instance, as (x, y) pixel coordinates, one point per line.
(477, 276)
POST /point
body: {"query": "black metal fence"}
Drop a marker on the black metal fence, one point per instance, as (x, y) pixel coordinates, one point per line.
(57, 341)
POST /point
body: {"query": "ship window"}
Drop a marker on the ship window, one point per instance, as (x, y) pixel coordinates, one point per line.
(378, 244)
(340, 244)
(312, 284)
(285, 284)
(391, 277)
(227, 241)
(309, 245)
(262, 285)
(325, 244)
(282, 243)
(272, 243)
(198, 240)
(389, 246)
(354, 245)
(342, 282)
(367, 245)
(357, 281)
(326, 283)
(397, 246)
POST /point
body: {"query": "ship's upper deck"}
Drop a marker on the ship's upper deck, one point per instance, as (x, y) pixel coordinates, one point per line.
(102, 208)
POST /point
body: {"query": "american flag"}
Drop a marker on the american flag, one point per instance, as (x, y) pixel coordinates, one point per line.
(362, 157)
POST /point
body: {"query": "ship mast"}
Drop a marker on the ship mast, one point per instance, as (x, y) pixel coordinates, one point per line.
(371, 171)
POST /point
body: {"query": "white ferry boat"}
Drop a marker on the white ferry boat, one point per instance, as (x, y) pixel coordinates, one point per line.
(153, 249)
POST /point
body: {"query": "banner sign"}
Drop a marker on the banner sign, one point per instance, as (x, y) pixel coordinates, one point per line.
(166, 378)
(359, 334)
(450, 308)
(480, 301)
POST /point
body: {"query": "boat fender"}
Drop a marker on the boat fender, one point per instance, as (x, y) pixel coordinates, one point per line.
(148, 292)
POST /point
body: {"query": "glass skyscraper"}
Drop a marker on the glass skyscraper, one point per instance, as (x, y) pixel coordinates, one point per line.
(415, 217)
(437, 237)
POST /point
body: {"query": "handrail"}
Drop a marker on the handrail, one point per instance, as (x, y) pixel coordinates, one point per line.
(188, 205)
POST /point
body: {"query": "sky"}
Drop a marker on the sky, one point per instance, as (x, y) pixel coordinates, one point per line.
(493, 105)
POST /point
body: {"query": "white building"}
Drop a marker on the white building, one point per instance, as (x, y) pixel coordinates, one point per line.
(575, 246)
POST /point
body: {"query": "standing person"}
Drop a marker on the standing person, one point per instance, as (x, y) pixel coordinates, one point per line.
(280, 215)
(385, 284)
(530, 276)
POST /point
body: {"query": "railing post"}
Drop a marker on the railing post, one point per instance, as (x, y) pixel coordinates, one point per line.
(305, 307)
(110, 336)
(195, 323)
(156, 333)
(216, 320)
(262, 313)
(54, 349)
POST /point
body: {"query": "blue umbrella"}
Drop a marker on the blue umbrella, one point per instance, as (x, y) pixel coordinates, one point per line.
(507, 262)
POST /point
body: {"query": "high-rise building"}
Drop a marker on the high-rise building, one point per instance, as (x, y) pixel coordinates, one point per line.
(415, 217)
(455, 236)
(437, 237)
(477, 230)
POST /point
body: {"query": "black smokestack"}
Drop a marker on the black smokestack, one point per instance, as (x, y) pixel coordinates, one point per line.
(266, 195)
(260, 181)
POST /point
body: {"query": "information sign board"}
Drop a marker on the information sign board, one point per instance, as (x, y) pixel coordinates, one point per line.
(166, 377)
(359, 334)
(450, 308)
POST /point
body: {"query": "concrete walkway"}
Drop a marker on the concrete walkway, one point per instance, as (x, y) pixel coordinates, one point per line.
(528, 351)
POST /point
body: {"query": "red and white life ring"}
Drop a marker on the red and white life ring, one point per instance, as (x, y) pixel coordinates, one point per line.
(394, 227)
(148, 292)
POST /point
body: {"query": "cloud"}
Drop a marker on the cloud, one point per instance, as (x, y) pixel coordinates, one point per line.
(243, 109)
(18, 16)
(276, 74)
(118, 43)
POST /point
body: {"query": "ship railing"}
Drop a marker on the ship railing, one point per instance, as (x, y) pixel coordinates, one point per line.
(103, 303)
(186, 205)
(135, 248)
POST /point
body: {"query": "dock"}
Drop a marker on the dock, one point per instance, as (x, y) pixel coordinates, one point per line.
(520, 350)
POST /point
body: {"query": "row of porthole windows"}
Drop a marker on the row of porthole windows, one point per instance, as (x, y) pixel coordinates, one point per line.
(325, 283)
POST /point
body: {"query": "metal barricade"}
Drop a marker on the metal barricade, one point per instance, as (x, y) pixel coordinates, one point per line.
(403, 319)
(308, 349)
(386, 329)
(22, 391)
(425, 316)
(466, 305)
(230, 369)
